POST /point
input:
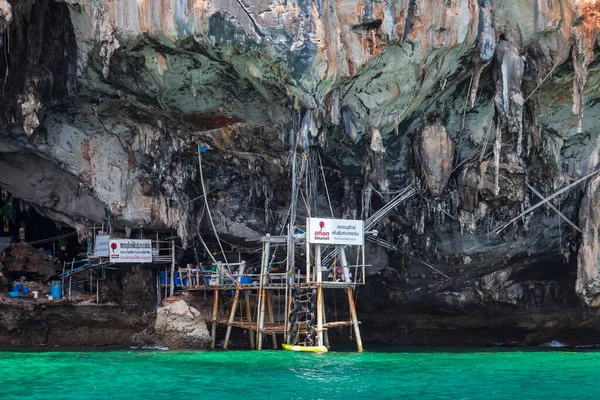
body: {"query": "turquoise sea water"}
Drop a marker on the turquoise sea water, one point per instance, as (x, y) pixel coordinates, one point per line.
(389, 373)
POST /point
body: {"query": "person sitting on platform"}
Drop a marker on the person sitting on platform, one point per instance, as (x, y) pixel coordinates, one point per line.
(338, 273)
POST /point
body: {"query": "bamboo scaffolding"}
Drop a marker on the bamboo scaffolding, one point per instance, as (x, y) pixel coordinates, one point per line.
(567, 220)
(541, 203)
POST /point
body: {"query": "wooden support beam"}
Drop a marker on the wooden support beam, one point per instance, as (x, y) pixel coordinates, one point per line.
(249, 313)
(236, 299)
(338, 324)
(354, 319)
(271, 318)
(214, 318)
(261, 291)
(320, 308)
(323, 327)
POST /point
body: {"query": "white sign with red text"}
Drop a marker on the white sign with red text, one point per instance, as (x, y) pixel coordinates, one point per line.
(130, 251)
(335, 231)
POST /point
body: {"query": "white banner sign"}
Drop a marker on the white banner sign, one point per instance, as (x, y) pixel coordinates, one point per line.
(130, 251)
(101, 244)
(335, 231)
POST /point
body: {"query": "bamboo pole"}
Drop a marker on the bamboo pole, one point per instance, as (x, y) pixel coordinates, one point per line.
(236, 299)
(319, 272)
(214, 318)
(263, 277)
(249, 313)
(269, 300)
(560, 214)
(541, 203)
(354, 320)
(326, 333)
(97, 288)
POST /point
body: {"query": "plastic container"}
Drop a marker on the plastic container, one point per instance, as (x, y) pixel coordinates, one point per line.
(26, 291)
(35, 294)
(56, 289)
(246, 280)
(18, 287)
(14, 294)
(163, 278)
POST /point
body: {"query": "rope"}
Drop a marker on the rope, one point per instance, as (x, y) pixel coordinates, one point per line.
(325, 184)
(208, 208)
(52, 239)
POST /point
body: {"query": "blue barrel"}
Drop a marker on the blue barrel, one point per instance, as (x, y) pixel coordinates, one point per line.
(56, 289)
(163, 278)
(246, 280)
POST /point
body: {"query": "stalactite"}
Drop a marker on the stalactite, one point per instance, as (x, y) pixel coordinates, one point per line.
(497, 149)
(486, 45)
(582, 55)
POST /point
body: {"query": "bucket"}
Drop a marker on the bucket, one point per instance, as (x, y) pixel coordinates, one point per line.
(26, 291)
(35, 294)
(56, 289)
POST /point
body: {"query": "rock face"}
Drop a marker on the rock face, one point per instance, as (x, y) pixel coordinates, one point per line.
(105, 104)
(588, 274)
(27, 260)
(434, 153)
(27, 325)
(180, 326)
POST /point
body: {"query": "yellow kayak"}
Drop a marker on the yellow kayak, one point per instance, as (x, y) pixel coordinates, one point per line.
(309, 349)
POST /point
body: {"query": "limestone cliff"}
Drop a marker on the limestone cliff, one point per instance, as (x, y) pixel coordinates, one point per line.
(477, 102)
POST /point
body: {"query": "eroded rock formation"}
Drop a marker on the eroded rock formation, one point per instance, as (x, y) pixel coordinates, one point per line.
(105, 103)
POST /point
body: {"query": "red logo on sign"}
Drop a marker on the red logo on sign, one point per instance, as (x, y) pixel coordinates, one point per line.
(321, 225)
(113, 246)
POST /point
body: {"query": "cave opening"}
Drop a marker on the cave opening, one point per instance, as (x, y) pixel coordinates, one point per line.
(21, 220)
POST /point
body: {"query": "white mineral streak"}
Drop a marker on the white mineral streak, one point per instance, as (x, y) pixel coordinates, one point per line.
(376, 141)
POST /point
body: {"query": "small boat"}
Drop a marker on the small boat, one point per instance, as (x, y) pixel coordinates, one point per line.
(308, 349)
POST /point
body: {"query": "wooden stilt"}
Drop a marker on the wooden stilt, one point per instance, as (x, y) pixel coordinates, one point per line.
(214, 318)
(325, 333)
(354, 319)
(249, 313)
(261, 318)
(236, 299)
(261, 292)
(320, 340)
(97, 287)
(271, 319)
